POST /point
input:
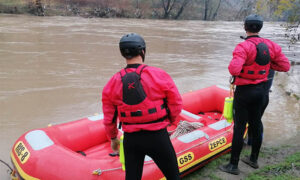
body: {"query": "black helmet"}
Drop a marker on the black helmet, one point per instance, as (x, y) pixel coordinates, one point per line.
(253, 23)
(132, 45)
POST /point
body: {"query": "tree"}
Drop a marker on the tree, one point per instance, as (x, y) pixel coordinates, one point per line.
(211, 8)
(173, 8)
(247, 7)
(289, 10)
(167, 6)
(39, 8)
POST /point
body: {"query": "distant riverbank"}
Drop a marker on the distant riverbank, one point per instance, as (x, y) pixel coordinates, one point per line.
(155, 9)
(83, 8)
(59, 9)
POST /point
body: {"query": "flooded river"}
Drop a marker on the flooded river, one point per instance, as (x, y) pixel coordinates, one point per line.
(53, 69)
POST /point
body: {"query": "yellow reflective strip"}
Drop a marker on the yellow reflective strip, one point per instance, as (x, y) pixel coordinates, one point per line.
(20, 171)
(246, 132)
(204, 157)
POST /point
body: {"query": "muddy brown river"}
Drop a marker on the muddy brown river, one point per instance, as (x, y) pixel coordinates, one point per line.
(53, 69)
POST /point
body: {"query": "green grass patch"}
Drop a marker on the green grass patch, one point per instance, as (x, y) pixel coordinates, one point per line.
(280, 171)
(11, 3)
(296, 96)
(269, 151)
(208, 171)
(285, 170)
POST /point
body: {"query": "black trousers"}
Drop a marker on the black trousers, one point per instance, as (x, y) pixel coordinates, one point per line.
(155, 144)
(266, 102)
(249, 104)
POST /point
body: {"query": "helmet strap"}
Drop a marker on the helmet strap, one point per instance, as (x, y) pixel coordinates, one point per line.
(142, 54)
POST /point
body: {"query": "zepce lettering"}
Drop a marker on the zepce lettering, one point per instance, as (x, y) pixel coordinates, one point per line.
(215, 144)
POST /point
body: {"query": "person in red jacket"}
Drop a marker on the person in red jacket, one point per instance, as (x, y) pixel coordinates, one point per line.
(145, 100)
(250, 65)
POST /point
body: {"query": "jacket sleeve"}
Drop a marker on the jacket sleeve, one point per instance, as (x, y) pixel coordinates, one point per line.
(109, 110)
(238, 60)
(173, 98)
(280, 62)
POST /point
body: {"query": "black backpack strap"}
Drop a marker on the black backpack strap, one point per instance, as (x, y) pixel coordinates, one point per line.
(140, 69)
(123, 72)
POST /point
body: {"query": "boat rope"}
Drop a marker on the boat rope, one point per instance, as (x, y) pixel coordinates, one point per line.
(5, 163)
(185, 127)
(100, 171)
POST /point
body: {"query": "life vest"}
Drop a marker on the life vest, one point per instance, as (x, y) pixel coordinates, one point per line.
(136, 107)
(259, 69)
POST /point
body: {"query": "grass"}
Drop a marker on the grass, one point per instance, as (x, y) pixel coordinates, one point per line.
(14, 6)
(296, 96)
(208, 171)
(13, 2)
(285, 170)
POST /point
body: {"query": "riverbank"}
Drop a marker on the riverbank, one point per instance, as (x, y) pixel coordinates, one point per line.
(82, 8)
(61, 8)
(276, 162)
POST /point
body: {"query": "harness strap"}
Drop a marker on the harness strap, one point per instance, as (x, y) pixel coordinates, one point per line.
(140, 113)
(123, 72)
(155, 121)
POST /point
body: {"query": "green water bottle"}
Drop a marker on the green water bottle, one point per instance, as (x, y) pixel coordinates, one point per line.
(122, 156)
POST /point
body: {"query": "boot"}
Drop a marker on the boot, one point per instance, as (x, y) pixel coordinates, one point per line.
(230, 168)
(248, 161)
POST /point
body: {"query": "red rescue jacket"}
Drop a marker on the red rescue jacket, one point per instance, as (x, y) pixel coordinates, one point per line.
(137, 107)
(158, 86)
(259, 69)
(244, 56)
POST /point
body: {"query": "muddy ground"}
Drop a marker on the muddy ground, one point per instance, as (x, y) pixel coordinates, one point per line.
(269, 156)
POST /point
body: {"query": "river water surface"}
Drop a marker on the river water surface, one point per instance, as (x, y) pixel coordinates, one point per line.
(53, 69)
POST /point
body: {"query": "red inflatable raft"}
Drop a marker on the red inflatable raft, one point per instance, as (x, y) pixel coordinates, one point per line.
(80, 149)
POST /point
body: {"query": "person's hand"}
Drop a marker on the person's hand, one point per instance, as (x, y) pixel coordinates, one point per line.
(115, 145)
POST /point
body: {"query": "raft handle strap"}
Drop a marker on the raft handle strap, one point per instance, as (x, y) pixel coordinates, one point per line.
(10, 170)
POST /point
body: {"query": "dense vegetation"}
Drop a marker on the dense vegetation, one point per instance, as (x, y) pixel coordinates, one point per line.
(158, 9)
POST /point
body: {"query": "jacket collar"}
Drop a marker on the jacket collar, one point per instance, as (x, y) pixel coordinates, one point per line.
(132, 66)
(252, 36)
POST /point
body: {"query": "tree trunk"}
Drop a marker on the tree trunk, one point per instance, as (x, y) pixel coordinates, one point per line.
(183, 5)
(205, 9)
(216, 12)
(168, 8)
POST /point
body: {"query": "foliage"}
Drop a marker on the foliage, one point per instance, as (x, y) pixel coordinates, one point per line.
(287, 10)
(160, 9)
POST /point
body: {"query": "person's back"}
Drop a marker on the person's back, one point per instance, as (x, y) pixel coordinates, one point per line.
(245, 53)
(145, 100)
(250, 66)
(157, 85)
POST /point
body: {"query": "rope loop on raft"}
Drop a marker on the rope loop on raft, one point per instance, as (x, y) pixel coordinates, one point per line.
(10, 170)
(185, 127)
